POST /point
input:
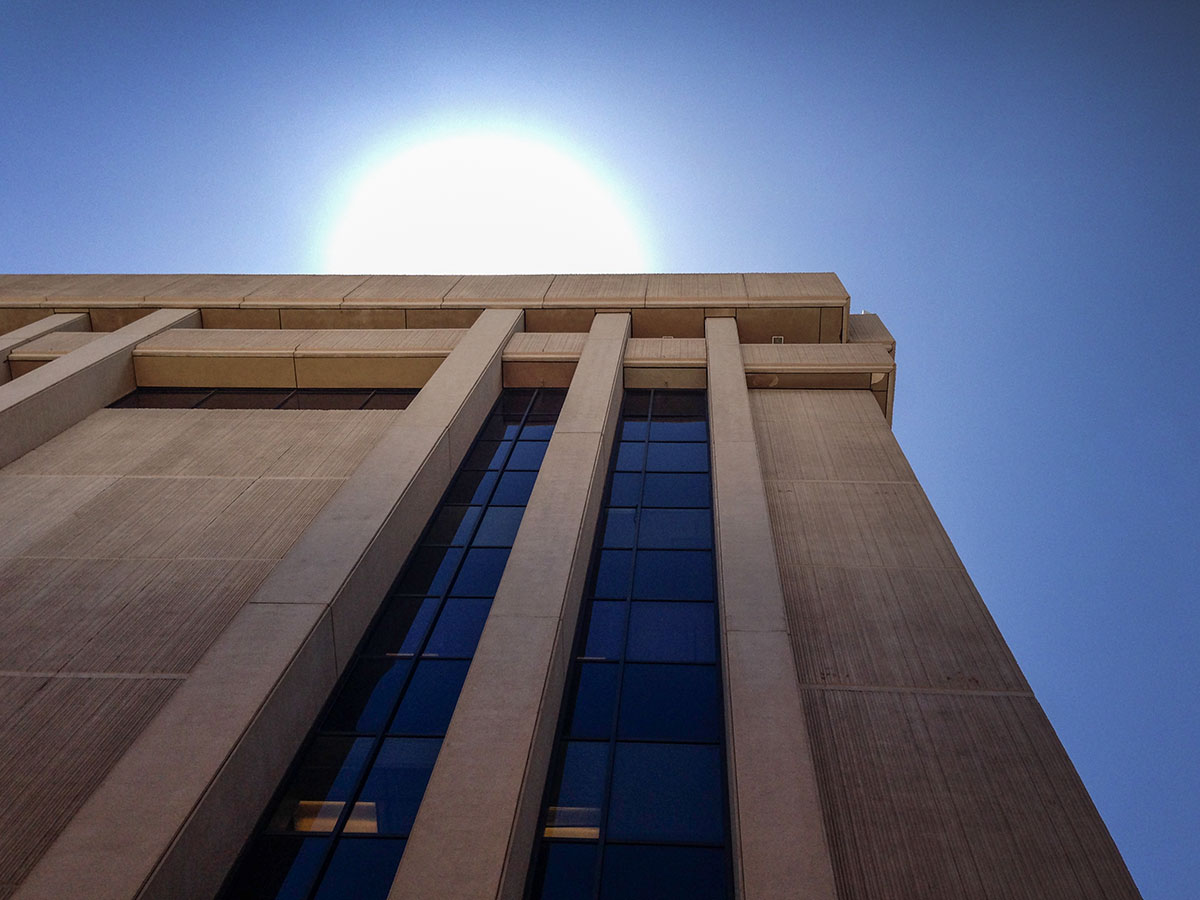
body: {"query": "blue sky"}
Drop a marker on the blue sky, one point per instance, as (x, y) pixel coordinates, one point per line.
(1014, 189)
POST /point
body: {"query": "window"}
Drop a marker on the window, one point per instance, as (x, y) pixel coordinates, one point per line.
(338, 825)
(636, 803)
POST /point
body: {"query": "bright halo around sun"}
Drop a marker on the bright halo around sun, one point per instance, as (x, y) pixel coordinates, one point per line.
(484, 204)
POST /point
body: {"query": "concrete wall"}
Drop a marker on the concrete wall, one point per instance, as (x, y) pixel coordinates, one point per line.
(939, 775)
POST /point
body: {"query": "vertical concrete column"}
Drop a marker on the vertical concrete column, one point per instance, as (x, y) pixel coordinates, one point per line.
(53, 397)
(17, 338)
(780, 847)
(217, 749)
(474, 833)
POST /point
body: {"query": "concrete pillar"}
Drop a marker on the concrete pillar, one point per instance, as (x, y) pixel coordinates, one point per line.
(216, 751)
(53, 397)
(14, 339)
(474, 833)
(780, 848)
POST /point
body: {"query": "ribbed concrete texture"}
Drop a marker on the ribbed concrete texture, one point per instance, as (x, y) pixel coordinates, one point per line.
(52, 398)
(940, 776)
(217, 748)
(131, 541)
(474, 833)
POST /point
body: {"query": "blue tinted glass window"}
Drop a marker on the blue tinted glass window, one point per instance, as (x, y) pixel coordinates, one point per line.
(680, 403)
(633, 872)
(480, 572)
(501, 428)
(498, 527)
(355, 791)
(605, 629)
(362, 868)
(678, 489)
(669, 703)
(368, 695)
(389, 799)
(594, 701)
(630, 456)
(625, 489)
(429, 701)
(612, 574)
(429, 571)
(458, 627)
(547, 403)
(620, 527)
(279, 867)
(676, 457)
(453, 525)
(681, 429)
(667, 792)
(684, 529)
(671, 632)
(565, 871)
(639, 769)
(636, 404)
(324, 781)
(577, 796)
(514, 488)
(403, 625)
(471, 487)
(634, 430)
(527, 455)
(487, 455)
(673, 575)
(538, 428)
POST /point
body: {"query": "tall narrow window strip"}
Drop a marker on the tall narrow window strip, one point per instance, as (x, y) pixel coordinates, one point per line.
(338, 825)
(636, 804)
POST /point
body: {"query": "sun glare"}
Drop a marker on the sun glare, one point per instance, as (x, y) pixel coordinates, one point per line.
(483, 204)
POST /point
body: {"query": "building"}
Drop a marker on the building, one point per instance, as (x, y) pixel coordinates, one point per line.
(784, 685)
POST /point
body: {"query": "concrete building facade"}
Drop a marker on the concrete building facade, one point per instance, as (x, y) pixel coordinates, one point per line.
(213, 489)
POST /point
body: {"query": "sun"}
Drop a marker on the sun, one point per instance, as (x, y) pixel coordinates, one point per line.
(484, 204)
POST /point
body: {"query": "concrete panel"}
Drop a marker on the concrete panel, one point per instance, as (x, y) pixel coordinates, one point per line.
(713, 289)
(487, 290)
(568, 320)
(868, 328)
(14, 317)
(207, 290)
(303, 290)
(104, 852)
(402, 290)
(365, 372)
(62, 322)
(112, 319)
(780, 847)
(796, 325)
(234, 317)
(109, 290)
(538, 374)
(474, 832)
(213, 757)
(784, 286)
(956, 795)
(677, 322)
(625, 291)
(74, 730)
(61, 393)
(441, 318)
(690, 378)
(358, 317)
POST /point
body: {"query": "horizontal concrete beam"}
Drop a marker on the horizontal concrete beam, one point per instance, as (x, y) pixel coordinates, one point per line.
(23, 335)
(53, 397)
